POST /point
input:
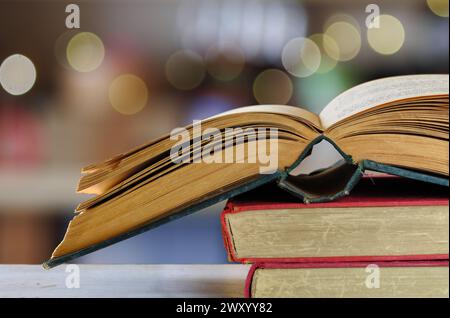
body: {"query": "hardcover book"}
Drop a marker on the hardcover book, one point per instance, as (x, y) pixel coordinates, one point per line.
(396, 125)
(385, 218)
(412, 279)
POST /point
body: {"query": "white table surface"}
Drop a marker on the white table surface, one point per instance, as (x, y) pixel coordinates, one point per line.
(125, 281)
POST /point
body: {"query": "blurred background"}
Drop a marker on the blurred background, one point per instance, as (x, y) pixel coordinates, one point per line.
(136, 69)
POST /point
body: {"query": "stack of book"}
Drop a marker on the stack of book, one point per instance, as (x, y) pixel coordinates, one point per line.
(398, 126)
(389, 238)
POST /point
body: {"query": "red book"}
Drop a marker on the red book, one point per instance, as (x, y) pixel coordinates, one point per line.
(349, 279)
(384, 219)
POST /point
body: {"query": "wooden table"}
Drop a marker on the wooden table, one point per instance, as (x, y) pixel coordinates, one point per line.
(124, 281)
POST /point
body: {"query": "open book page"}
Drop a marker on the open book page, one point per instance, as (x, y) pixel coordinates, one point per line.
(382, 91)
(291, 111)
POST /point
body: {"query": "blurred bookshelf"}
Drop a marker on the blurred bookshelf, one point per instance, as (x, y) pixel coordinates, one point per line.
(70, 118)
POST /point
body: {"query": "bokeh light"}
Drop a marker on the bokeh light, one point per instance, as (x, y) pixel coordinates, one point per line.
(327, 63)
(272, 86)
(347, 41)
(341, 17)
(225, 63)
(439, 7)
(17, 74)
(185, 69)
(128, 94)
(85, 52)
(60, 47)
(301, 57)
(389, 37)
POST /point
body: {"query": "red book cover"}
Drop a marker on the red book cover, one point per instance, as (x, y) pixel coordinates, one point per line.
(422, 263)
(371, 192)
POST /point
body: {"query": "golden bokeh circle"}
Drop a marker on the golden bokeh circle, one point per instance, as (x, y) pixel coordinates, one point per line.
(224, 64)
(128, 94)
(85, 52)
(185, 69)
(439, 7)
(388, 37)
(301, 57)
(273, 86)
(347, 41)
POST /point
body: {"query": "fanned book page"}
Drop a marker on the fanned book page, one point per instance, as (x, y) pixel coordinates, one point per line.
(380, 92)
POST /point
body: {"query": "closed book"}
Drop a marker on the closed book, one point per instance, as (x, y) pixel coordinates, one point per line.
(397, 279)
(384, 219)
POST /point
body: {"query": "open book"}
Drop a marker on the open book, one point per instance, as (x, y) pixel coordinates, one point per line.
(397, 125)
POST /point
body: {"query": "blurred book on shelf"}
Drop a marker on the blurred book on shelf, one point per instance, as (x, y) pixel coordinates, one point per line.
(25, 237)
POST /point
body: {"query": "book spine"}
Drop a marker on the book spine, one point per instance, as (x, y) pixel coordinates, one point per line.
(225, 233)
